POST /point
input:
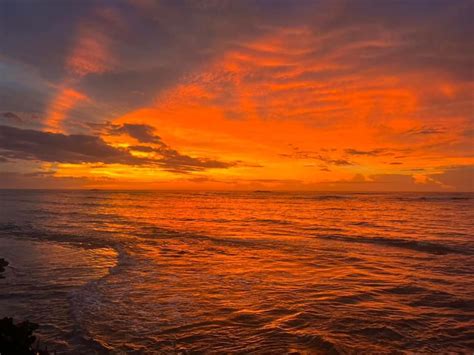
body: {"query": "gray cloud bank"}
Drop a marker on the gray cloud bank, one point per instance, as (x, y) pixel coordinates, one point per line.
(29, 144)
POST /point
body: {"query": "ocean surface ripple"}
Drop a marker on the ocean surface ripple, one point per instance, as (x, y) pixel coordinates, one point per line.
(244, 272)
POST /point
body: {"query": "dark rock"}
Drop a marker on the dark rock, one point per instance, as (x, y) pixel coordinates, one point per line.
(18, 338)
(3, 264)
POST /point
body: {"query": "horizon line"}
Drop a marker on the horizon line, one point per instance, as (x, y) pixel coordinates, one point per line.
(232, 190)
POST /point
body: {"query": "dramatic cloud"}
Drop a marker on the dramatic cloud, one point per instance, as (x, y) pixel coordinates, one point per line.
(56, 147)
(310, 92)
(142, 133)
(309, 155)
(426, 130)
(372, 152)
(175, 162)
(27, 144)
(339, 162)
(141, 148)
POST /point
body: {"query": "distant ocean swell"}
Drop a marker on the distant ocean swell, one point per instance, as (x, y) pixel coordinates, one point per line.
(421, 246)
(253, 272)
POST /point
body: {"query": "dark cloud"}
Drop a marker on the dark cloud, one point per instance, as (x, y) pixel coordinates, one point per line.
(141, 132)
(27, 144)
(339, 162)
(372, 152)
(298, 154)
(425, 130)
(168, 157)
(304, 154)
(56, 147)
(141, 148)
(173, 161)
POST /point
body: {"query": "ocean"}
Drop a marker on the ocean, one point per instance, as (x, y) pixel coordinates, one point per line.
(240, 272)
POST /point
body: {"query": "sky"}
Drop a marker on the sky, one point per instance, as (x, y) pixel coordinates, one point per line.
(237, 95)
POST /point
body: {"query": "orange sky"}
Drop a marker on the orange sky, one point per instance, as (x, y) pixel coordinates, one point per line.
(330, 102)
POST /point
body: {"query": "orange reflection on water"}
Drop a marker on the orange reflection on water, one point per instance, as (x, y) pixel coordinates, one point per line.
(268, 271)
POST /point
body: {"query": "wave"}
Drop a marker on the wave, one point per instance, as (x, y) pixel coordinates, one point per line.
(10, 229)
(434, 198)
(365, 224)
(88, 298)
(438, 299)
(381, 331)
(322, 228)
(329, 197)
(406, 290)
(426, 247)
(268, 221)
(8, 226)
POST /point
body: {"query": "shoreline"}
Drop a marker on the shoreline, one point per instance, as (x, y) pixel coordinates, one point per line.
(46, 276)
